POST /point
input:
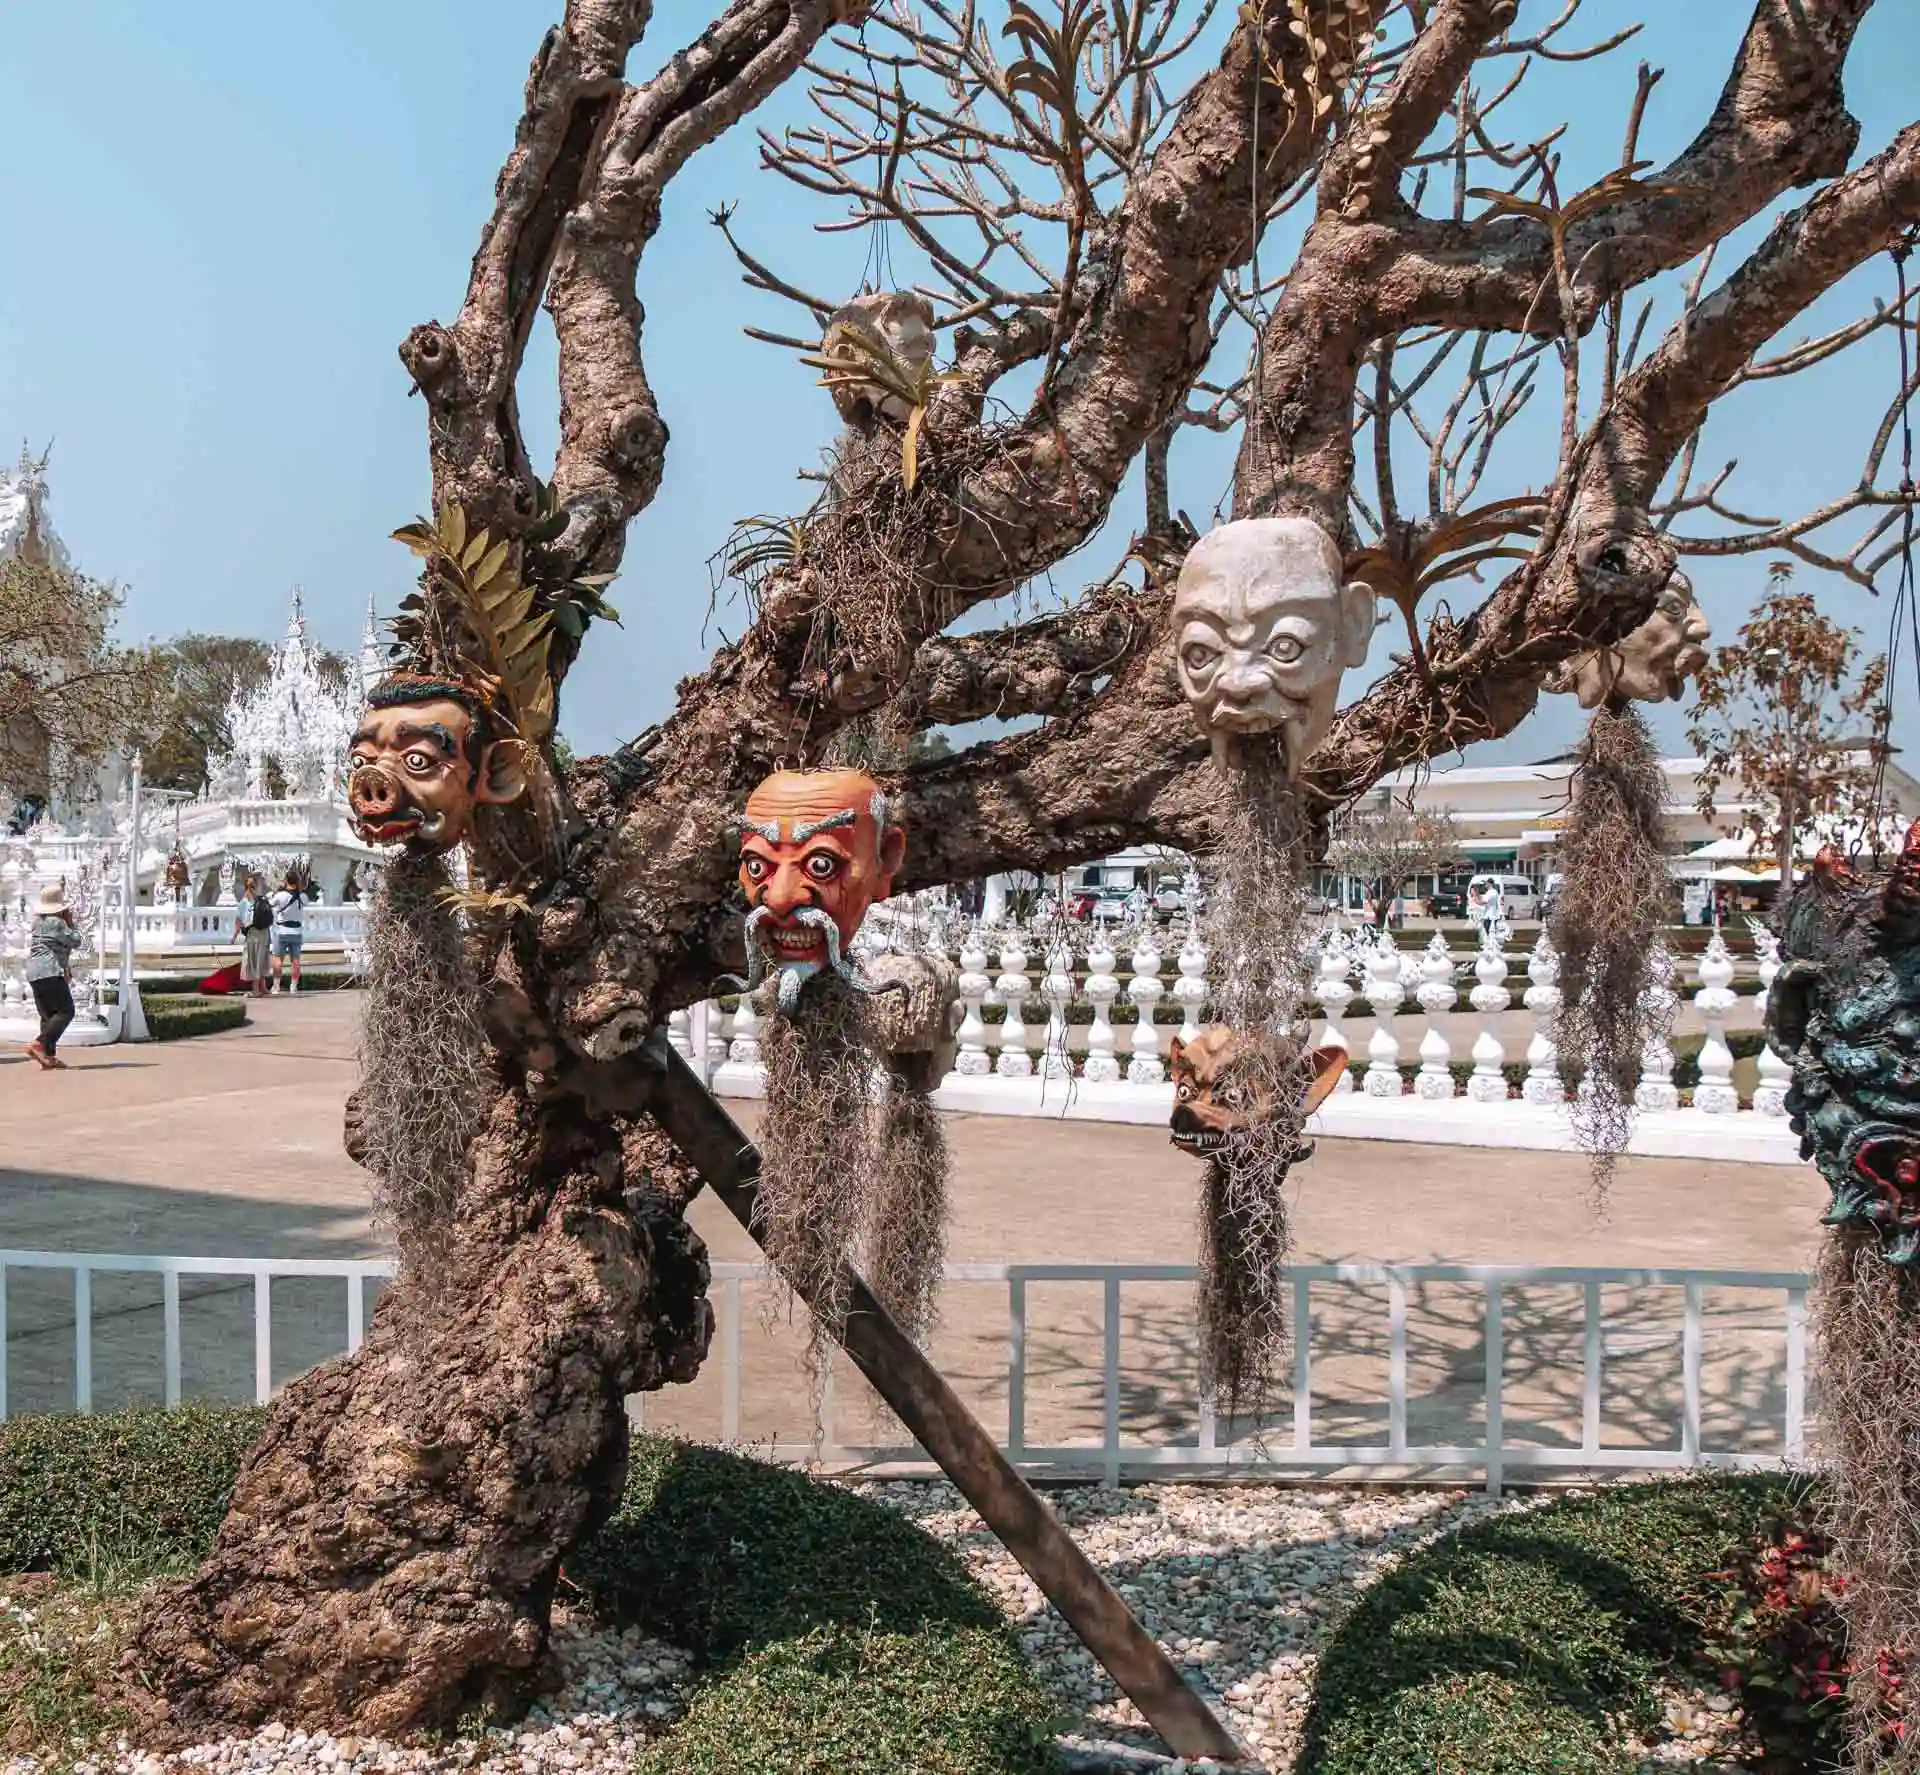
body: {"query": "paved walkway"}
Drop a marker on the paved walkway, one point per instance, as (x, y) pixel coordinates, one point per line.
(229, 1145)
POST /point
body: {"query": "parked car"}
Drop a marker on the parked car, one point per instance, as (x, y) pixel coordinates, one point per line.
(1449, 900)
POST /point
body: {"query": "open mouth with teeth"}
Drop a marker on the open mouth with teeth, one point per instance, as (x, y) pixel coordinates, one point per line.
(793, 942)
(402, 827)
(1199, 1140)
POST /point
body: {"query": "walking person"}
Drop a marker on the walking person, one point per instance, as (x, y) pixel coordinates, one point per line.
(289, 929)
(50, 950)
(253, 926)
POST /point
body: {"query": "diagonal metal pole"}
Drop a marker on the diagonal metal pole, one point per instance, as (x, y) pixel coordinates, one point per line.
(713, 1142)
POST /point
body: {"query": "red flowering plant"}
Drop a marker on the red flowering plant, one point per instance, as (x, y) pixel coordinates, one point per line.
(1775, 1634)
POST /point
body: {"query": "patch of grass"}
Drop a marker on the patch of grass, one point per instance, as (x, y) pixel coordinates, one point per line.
(842, 1637)
(1532, 1642)
(58, 1643)
(118, 1497)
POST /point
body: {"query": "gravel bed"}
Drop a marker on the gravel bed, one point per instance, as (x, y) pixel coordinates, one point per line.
(1241, 1585)
(616, 1690)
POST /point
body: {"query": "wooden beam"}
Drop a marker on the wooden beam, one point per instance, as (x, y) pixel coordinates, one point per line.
(716, 1146)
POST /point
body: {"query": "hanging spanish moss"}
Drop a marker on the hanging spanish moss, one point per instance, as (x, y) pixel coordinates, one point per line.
(1613, 900)
(906, 1238)
(1867, 1333)
(817, 1169)
(1258, 936)
(423, 1065)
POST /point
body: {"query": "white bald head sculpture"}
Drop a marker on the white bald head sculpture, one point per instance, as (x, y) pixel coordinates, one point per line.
(1263, 627)
(1651, 665)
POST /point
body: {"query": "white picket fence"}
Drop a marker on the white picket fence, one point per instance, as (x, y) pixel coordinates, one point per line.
(1037, 1060)
(1117, 1455)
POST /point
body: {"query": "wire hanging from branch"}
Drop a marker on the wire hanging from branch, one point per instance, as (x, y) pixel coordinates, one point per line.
(1906, 598)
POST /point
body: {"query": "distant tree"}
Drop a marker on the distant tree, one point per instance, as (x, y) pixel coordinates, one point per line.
(1385, 843)
(69, 697)
(198, 676)
(1782, 711)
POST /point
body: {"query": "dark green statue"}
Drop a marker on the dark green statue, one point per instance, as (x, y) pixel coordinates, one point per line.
(1845, 1013)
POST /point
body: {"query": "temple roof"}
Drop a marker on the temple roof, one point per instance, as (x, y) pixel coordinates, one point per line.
(25, 529)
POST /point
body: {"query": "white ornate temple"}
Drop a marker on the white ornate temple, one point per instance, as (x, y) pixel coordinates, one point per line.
(276, 800)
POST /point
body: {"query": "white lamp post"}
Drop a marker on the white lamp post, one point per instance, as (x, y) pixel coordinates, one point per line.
(133, 1015)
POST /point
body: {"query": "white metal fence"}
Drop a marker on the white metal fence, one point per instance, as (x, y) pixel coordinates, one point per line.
(1491, 1458)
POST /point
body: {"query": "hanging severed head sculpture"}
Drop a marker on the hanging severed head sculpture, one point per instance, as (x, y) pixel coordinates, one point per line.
(1650, 665)
(817, 849)
(1264, 625)
(1845, 1014)
(1219, 1091)
(428, 751)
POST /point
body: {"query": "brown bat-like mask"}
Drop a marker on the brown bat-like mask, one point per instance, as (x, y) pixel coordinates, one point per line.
(1216, 1093)
(423, 760)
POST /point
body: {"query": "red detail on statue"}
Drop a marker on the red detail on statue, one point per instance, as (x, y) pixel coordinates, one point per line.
(1903, 887)
(816, 840)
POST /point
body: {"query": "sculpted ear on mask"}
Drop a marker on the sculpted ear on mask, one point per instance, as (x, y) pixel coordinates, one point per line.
(502, 776)
(1358, 612)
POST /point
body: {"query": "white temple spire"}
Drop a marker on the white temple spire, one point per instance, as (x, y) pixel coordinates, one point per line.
(297, 620)
(371, 669)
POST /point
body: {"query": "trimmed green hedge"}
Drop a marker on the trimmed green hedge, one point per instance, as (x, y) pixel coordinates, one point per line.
(1526, 1642)
(188, 985)
(172, 1019)
(135, 1491)
(846, 1640)
(838, 1636)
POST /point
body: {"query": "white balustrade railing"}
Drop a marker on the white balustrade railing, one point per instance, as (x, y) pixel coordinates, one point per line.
(1101, 1007)
(160, 929)
(1767, 1435)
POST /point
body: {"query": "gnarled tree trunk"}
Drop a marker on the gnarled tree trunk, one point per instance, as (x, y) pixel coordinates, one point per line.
(394, 1541)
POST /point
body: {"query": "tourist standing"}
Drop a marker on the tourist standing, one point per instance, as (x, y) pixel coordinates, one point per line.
(254, 928)
(50, 950)
(289, 930)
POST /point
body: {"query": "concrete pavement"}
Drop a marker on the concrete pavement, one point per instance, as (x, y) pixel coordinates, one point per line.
(229, 1145)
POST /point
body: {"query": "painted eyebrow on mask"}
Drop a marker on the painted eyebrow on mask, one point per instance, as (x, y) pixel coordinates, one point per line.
(832, 823)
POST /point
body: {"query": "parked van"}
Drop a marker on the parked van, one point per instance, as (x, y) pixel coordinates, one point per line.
(1523, 900)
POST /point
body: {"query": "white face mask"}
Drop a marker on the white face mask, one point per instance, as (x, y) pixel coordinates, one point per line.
(1263, 630)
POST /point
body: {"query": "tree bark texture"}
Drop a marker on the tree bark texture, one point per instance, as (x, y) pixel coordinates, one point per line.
(395, 1539)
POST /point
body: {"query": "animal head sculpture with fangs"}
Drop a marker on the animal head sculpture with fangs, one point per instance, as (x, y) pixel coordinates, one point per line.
(1653, 663)
(817, 849)
(1264, 625)
(1215, 1095)
(426, 754)
(1845, 1012)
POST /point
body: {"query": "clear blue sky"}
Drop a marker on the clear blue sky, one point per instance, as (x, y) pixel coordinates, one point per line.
(222, 217)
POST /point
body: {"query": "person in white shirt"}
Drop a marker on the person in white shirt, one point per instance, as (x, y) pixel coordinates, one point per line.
(289, 928)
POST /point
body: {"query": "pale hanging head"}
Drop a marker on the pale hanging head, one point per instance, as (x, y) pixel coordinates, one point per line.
(1650, 665)
(1264, 626)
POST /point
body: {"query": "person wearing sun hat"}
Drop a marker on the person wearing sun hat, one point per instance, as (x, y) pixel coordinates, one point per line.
(50, 950)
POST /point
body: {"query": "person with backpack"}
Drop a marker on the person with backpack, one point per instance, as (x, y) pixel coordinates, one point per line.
(253, 926)
(289, 930)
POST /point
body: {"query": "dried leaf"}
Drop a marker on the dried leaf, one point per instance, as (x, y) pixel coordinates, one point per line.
(910, 448)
